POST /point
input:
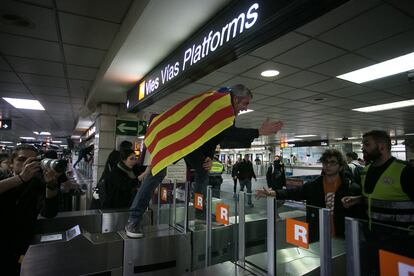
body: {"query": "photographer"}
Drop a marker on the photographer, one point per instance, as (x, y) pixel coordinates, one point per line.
(30, 191)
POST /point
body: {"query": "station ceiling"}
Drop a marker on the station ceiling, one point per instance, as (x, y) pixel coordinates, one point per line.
(72, 55)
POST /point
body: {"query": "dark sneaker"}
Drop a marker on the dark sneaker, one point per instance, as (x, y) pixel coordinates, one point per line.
(133, 230)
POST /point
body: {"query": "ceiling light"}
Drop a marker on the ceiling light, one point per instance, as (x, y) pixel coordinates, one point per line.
(380, 107)
(57, 142)
(305, 135)
(24, 104)
(35, 132)
(294, 140)
(269, 73)
(75, 136)
(409, 134)
(141, 137)
(245, 111)
(380, 70)
(6, 142)
(45, 133)
(27, 138)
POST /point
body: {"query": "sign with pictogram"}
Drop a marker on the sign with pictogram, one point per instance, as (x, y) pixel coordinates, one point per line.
(222, 213)
(164, 194)
(5, 124)
(297, 233)
(394, 264)
(131, 128)
(198, 201)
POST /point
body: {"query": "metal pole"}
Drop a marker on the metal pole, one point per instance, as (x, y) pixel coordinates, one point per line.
(325, 241)
(159, 204)
(242, 231)
(208, 225)
(186, 194)
(271, 237)
(174, 195)
(353, 266)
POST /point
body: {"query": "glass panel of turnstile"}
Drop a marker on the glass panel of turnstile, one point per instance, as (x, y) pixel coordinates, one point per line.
(378, 249)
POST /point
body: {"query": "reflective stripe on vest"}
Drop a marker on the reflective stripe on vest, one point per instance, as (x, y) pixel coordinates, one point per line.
(217, 168)
(388, 198)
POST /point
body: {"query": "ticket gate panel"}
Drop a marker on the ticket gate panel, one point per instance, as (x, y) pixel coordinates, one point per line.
(163, 251)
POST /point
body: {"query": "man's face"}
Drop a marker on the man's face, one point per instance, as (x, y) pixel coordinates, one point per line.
(130, 161)
(5, 164)
(370, 149)
(21, 157)
(240, 104)
(246, 157)
(331, 166)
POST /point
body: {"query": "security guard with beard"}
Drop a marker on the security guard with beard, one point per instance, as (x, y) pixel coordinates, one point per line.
(388, 198)
(215, 177)
(387, 183)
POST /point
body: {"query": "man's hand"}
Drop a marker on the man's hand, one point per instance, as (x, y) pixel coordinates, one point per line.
(208, 163)
(30, 168)
(349, 201)
(269, 128)
(264, 193)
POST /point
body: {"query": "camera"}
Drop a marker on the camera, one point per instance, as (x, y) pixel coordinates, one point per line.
(58, 165)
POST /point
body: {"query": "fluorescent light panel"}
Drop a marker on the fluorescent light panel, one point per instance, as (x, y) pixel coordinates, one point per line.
(270, 73)
(246, 111)
(27, 138)
(305, 135)
(380, 70)
(6, 142)
(24, 104)
(381, 107)
(57, 142)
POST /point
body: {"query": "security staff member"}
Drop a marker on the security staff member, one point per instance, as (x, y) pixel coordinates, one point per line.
(387, 188)
(215, 177)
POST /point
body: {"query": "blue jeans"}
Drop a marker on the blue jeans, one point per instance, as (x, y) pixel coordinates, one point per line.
(248, 184)
(141, 200)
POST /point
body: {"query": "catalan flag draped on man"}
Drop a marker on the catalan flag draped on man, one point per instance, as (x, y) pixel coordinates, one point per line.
(186, 126)
(191, 130)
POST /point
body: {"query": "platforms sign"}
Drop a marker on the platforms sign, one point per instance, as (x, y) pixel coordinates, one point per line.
(131, 128)
(5, 124)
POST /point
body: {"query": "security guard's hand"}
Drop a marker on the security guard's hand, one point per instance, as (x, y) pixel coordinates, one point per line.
(349, 201)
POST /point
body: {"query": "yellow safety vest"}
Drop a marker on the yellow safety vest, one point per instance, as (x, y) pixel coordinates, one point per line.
(217, 168)
(388, 203)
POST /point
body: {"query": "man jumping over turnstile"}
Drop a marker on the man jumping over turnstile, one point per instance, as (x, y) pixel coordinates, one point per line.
(191, 130)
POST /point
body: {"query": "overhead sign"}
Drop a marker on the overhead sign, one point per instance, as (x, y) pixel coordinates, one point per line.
(5, 124)
(238, 29)
(131, 128)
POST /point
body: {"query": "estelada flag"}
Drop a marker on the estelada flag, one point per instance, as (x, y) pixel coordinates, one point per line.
(187, 126)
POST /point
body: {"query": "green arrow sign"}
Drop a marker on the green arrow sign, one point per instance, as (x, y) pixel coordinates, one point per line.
(130, 128)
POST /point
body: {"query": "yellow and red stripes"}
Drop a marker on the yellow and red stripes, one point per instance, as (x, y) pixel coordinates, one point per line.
(186, 126)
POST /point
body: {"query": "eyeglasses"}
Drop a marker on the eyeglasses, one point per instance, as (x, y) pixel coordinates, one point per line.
(330, 163)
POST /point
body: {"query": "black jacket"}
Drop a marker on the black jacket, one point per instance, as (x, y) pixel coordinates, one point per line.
(245, 170)
(314, 195)
(275, 176)
(120, 189)
(19, 209)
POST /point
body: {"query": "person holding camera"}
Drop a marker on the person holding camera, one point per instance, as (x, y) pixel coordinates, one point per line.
(30, 191)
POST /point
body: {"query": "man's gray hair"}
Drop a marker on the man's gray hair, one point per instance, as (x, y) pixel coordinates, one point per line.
(239, 90)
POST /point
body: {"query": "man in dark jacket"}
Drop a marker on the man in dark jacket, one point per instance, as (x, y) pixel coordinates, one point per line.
(245, 173)
(326, 192)
(275, 176)
(23, 196)
(200, 158)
